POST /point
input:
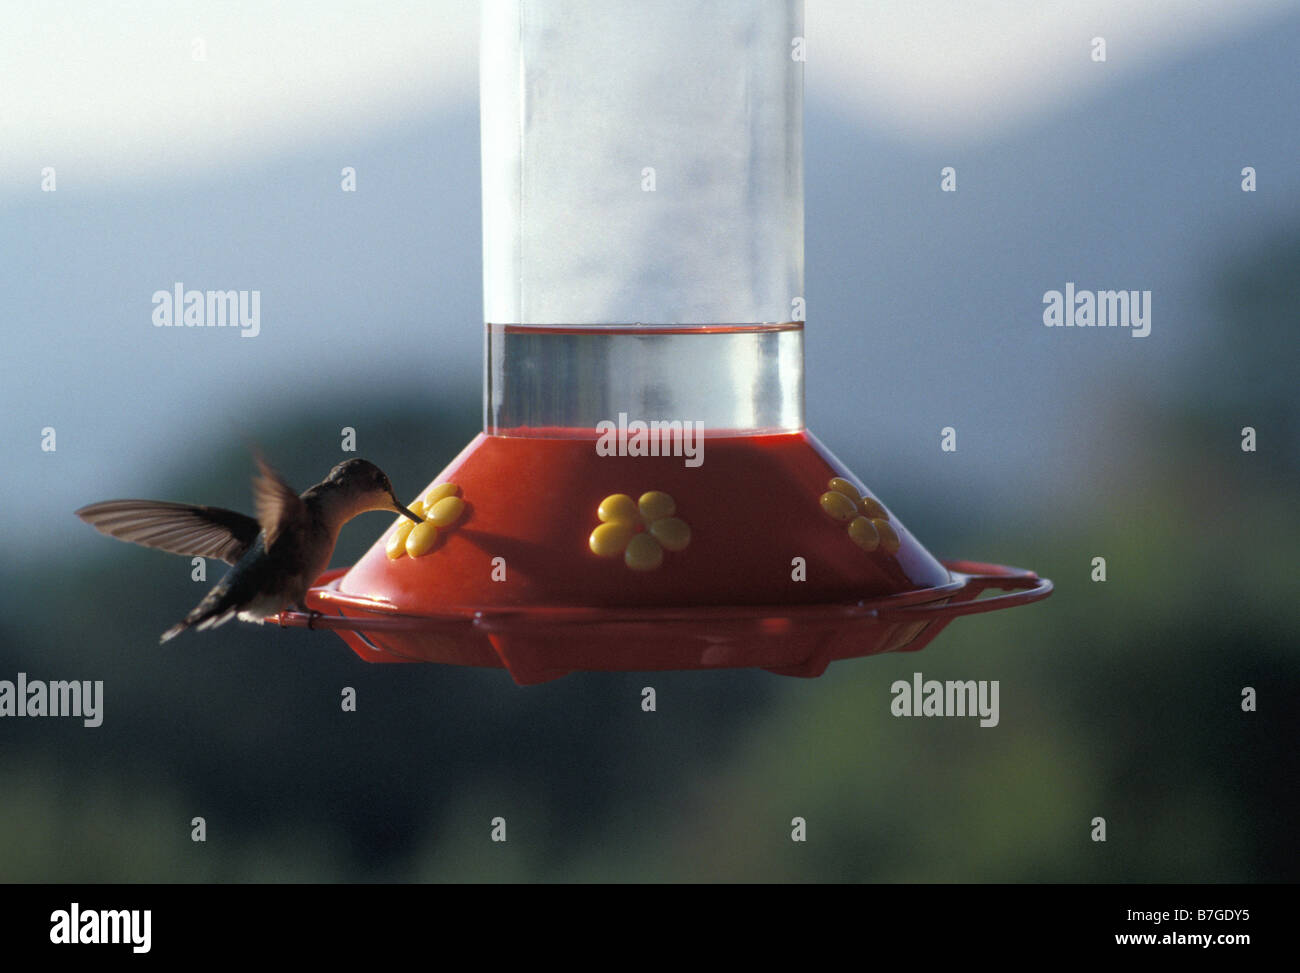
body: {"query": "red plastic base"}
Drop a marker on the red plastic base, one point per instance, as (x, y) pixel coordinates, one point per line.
(768, 578)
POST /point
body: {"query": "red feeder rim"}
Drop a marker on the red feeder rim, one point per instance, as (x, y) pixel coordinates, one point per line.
(539, 643)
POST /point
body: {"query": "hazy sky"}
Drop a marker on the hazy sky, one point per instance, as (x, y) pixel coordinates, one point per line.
(117, 88)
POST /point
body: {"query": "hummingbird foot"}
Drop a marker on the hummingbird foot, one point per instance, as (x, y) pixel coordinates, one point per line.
(311, 613)
(302, 609)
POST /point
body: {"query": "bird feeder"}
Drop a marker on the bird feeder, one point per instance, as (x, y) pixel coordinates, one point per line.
(644, 494)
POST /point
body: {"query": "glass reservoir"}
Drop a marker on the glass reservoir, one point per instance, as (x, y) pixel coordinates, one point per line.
(642, 215)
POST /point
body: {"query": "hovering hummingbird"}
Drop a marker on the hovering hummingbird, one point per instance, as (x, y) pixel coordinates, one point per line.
(277, 556)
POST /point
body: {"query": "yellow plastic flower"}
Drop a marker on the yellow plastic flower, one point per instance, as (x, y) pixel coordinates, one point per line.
(440, 507)
(868, 521)
(640, 530)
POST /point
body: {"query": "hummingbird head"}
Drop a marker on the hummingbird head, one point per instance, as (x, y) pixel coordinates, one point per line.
(362, 486)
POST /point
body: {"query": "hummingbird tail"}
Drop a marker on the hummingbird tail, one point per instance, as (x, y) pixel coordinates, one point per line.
(174, 631)
(201, 619)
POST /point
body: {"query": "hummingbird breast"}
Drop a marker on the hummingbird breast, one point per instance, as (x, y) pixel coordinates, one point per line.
(267, 581)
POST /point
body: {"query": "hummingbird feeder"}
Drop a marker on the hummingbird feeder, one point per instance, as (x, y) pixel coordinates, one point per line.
(644, 494)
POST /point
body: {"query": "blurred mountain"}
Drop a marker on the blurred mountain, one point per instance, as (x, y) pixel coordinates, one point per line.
(925, 307)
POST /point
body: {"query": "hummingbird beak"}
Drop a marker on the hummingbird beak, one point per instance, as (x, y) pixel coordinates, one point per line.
(405, 512)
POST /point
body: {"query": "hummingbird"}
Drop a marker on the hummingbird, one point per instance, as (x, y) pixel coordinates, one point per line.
(277, 555)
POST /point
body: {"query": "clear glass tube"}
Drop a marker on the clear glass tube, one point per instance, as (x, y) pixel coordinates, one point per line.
(642, 213)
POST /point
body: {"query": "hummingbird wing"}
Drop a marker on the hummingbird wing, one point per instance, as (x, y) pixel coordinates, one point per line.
(278, 507)
(178, 528)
